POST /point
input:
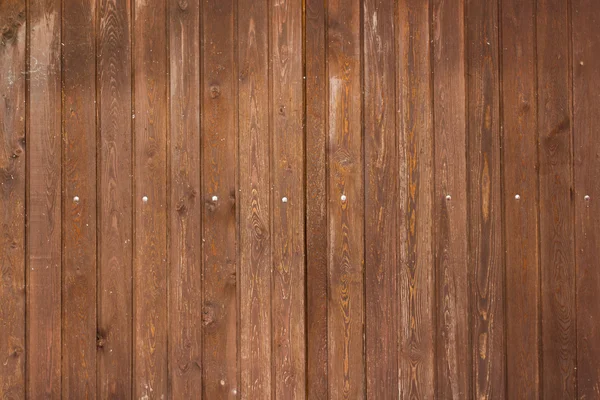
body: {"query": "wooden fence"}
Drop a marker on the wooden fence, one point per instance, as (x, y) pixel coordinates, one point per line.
(299, 199)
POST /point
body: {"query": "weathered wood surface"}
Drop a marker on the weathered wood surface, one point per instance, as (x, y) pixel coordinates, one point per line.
(288, 199)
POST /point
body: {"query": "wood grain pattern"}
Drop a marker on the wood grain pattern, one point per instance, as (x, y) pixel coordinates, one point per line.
(185, 205)
(115, 224)
(520, 180)
(316, 199)
(416, 275)
(219, 147)
(13, 35)
(486, 259)
(586, 86)
(44, 209)
(556, 205)
(450, 201)
(150, 63)
(381, 159)
(287, 179)
(255, 200)
(346, 214)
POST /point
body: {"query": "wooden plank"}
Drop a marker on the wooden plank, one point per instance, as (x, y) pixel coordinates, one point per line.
(220, 198)
(557, 256)
(185, 207)
(345, 201)
(150, 199)
(43, 325)
(416, 281)
(316, 201)
(519, 144)
(485, 202)
(115, 225)
(255, 220)
(287, 171)
(450, 201)
(381, 160)
(586, 108)
(79, 200)
(13, 34)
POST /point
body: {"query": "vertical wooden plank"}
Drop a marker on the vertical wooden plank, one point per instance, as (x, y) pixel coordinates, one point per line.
(556, 207)
(346, 201)
(219, 194)
(316, 201)
(416, 279)
(79, 200)
(254, 178)
(43, 325)
(185, 212)
(381, 179)
(150, 199)
(485, 204)
(586, 108)
(452, 275)
(114, 200)
(287, 170)
(520, 162)
(13, 30)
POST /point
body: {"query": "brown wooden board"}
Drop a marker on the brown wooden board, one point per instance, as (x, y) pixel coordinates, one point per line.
(150, 199)
(44, 149)
(415, 190)
(586, 108)
(486, 261)
(450, 201)
(185, 202)
(114, 189)
(381, 164)
(557, 257)
(287, 180)
(345, 201)
(13, 33)
(520, 196)
(219, 197)
(316, 199)
(79, 200)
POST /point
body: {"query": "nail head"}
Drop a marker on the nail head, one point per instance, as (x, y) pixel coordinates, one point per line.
(517, 197)
(145, 199)
(76, 199)
(284, 199)
(215, 198)
(586, 197)
(343, 198)
(448, 197)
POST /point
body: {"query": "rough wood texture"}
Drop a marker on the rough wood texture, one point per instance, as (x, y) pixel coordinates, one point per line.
(586, 109)
(520, 195)
(345, 202)
(13, 32)
(415, 241)
(381, 160)
(150, 199)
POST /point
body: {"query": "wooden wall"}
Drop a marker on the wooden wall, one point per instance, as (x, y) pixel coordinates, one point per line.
(299, 199)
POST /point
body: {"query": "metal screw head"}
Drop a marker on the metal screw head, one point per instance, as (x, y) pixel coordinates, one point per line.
(517, 197)
(586, 197)
(284, 199)
(343, 197)
(76, 199)
(448, 197)
(145, 199)
(215, 198)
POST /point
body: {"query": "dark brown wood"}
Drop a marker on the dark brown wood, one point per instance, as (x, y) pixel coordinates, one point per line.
(287, 180)
(486, 259)
(13, 33)
(381, 160)
(586, 108)
(345, 201)
(149, 57)
(79, 200)
(44, 223)
(254, 200)
(557, 256)
(520, 196)
(115, 224)
(450, 201)
(219, 195)
(316, 199)
(415, 230)
(185, 203)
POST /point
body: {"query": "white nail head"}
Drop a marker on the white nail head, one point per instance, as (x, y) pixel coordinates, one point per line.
(145, 199)
(222, 382)
(234, 391)
(284, 199)
(343, 198)
(448, 197)
(215, 198)
(517, 197)
(76, 199)
(586, 197)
